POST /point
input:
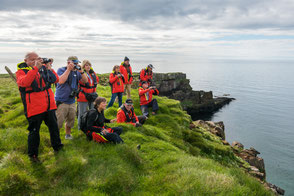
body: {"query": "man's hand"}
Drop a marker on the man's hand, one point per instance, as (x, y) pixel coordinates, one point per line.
(138, 124)
(113, 120)
(38, 63)
(70, 66)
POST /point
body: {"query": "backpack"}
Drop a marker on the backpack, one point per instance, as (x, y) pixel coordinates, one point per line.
(84, 118)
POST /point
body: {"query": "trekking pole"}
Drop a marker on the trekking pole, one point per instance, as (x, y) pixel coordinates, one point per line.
(10, 73)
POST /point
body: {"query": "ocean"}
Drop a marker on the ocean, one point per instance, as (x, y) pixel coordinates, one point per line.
(262, 115)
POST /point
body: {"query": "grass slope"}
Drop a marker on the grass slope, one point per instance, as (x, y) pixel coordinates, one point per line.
(173, 160)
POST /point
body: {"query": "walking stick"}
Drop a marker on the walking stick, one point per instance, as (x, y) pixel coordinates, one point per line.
(10, 73)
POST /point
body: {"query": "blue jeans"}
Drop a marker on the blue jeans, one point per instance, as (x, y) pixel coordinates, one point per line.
(119, 95)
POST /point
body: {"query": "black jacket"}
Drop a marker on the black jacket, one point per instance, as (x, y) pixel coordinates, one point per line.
(96, 120)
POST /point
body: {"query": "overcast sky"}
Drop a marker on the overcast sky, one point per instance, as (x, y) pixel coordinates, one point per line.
(162, 32)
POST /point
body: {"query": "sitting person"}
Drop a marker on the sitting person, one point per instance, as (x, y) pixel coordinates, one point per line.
(146, 75)
(126, 114)
(116, 81)
(95, 128)
(146, 101)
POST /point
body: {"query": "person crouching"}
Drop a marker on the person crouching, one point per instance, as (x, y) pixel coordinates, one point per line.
(126, 114)
(96, 130)
(146, 101)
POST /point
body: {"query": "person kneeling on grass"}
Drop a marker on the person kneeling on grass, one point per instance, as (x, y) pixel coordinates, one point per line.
(92, 124)
(126, 114)
(146, 101)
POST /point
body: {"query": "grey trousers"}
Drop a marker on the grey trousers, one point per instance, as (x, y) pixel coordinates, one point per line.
(82, 108)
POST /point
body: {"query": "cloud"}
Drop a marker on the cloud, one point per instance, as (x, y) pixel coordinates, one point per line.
(169, 14)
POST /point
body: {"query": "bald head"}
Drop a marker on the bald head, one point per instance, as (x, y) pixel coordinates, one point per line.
(30, 58)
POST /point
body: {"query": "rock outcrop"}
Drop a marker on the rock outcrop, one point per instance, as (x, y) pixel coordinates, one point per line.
(199, 104)
(256, 169)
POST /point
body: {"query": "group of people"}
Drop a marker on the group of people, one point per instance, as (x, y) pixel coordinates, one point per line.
(35, 77)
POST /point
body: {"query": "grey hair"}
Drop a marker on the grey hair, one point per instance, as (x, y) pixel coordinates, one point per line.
(29, 54)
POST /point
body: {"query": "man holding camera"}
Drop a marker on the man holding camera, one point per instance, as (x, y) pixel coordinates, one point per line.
(66, 91)
(126, 114)
(146, 101)
(34, 81)
(126, 69)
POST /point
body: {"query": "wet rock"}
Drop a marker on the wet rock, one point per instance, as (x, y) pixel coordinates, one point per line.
(275, 188)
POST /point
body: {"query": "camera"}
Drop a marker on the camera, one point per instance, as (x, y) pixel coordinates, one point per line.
(153, 87)
(46, 60)
(74, 93)
(77, 67)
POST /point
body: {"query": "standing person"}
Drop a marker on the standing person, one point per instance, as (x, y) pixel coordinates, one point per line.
(126, 114)
(146, 74)
(126, 69)
(95, 128)
(66, 91)
(146, 101)
(34, 81)
(87, 94)
(116, 80)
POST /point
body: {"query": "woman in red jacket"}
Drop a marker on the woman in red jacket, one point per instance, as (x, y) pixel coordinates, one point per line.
(87, 94)
(116, 81)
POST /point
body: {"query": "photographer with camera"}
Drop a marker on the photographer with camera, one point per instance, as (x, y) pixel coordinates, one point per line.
(146, 101)
(146, 75)
(66, 91)
(126, 69)
(87, 93)
(34, 81)
(116, 81)
(126, 114)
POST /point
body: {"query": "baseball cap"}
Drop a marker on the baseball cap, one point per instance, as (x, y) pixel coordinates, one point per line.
(73, 59)
(129, 102)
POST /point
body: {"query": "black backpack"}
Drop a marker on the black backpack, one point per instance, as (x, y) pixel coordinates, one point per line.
(84, 118)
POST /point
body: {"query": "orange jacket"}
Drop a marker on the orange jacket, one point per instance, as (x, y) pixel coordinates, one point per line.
(145, 76)
(123, 70)
(124, 116)
(88, 87)
(117, 84)
(36, 98)
(144, 100)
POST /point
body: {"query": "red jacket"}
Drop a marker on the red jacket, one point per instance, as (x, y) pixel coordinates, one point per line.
(124, 116)
(145, 76)
(143, 95)
(123, 70)
(117, 84)
(89, 87)
(34, 102)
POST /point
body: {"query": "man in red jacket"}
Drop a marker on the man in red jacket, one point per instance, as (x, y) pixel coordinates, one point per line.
(34, 81)
(126, 69)
(146, 101)
(126, 114)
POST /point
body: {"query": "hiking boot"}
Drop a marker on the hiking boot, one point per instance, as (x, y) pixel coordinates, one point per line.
(68, 137)
(35, 159)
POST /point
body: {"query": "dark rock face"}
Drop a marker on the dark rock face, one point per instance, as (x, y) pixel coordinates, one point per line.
(196, 103)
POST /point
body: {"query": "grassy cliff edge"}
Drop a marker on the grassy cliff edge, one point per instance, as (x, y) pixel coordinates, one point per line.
(173, 159)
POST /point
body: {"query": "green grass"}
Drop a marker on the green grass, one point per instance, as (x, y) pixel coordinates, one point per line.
(173, 160)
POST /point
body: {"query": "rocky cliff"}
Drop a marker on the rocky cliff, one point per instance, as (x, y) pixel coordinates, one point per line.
(198, 104)
(256, 166)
